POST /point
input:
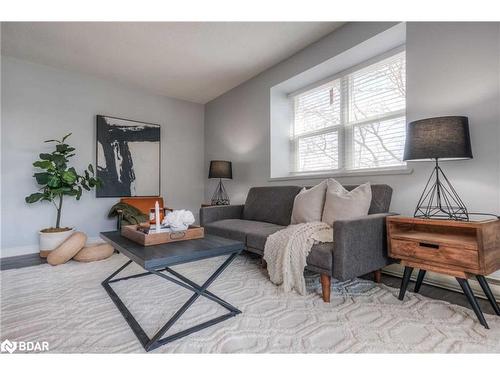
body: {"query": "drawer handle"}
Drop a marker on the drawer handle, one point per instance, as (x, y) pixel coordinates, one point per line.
(177, 235)
(429, 245)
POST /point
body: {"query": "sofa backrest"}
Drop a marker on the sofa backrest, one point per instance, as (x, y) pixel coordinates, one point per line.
(274, 204)
(271, 204)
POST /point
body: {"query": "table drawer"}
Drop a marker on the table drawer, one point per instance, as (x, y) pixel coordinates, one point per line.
(434, 253)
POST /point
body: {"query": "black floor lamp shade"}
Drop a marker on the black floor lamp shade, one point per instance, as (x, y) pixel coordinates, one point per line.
(434, 139)
(220, 169)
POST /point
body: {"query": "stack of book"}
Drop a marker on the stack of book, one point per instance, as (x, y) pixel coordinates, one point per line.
(147, 229)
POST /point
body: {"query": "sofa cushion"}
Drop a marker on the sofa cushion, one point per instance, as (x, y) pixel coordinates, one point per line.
(308, 204)
(341, 204)
(381, 197)
(271, 204)
(257, 239)
(321, 256)
(235, 229)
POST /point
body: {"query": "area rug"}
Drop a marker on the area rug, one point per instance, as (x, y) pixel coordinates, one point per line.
(67, 307)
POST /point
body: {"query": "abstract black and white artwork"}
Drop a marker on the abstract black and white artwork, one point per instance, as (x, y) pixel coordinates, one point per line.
(128, 157)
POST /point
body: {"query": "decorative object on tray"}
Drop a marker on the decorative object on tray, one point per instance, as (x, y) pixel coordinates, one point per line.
(56, 180)
(220, 169)
(128, 157)
(176, 226)
(434, 139)
(179, 219)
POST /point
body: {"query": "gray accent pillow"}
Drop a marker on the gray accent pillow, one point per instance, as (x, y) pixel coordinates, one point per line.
(341, 204)
(308, 204)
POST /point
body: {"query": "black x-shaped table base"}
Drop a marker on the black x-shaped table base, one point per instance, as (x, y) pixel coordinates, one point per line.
(157, 340)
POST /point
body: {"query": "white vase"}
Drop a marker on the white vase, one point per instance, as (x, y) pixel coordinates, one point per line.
(49, 241)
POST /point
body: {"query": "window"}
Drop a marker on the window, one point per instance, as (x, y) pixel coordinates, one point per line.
(356, 121)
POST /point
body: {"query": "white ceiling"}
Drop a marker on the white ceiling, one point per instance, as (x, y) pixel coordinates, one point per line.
(195, 61)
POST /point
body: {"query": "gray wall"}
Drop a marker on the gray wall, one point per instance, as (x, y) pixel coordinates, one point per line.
(40, 102)
(452, 68)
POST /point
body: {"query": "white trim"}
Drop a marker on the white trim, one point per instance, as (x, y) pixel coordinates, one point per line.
(32, 249)
(400, 169)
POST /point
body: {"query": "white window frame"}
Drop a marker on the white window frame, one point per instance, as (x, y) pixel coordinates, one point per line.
(345, 130)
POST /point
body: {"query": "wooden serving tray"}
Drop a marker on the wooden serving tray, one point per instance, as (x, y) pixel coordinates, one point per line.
(192, 233)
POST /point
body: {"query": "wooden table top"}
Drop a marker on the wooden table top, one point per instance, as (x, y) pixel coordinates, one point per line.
(169, 254)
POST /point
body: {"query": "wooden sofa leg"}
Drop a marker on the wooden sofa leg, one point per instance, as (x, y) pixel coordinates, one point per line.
(377, 276)
(263, 263)
(326, 282)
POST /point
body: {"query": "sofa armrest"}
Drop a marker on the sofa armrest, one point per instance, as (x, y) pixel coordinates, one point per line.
(216, 213)
(360, 246)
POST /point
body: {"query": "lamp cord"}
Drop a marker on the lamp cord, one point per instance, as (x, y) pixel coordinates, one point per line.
(485, 214)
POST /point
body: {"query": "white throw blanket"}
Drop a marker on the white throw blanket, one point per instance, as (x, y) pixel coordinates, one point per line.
(286, 252)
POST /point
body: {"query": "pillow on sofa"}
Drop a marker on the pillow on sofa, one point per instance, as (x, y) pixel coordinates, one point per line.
(308, 204)
(341, 204)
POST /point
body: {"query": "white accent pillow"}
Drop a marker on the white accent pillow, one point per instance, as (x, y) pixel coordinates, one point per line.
(341, 204)
(308, 204)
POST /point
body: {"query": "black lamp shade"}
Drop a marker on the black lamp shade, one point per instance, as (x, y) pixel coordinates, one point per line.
(438, 138)
(220, 169)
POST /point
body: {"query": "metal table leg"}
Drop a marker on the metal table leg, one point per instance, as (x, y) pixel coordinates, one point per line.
(405, 282)
(157, 340)
(472, 300)
(489, 294)
(420, 280)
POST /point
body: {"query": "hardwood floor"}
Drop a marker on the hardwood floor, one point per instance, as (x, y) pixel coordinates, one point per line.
(392, 281)
(21, 261)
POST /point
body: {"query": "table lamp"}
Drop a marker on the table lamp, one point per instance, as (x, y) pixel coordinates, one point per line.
(438, 139)
(220, 169)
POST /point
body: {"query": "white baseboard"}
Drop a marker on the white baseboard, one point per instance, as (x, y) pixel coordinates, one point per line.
(449, 282)
(32, 249)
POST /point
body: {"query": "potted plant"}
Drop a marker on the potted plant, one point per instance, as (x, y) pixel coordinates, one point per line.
(57, 179)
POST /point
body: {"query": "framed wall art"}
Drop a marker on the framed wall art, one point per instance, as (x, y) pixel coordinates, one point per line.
(128, 157)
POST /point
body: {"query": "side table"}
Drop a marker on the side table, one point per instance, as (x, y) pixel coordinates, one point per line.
(462, 249)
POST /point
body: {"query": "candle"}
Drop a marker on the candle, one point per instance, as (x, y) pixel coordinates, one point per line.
(157, 217)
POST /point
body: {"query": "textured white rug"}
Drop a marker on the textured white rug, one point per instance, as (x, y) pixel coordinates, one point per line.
(67, 306)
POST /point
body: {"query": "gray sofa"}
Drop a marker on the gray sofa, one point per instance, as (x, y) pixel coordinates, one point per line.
(359, 246)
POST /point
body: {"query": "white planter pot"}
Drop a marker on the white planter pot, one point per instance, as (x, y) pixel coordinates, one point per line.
(49, 241)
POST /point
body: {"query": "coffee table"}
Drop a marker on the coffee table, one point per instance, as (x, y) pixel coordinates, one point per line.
(158, 259)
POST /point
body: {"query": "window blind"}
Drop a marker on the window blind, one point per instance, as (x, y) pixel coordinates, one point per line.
(317, 109)
(356, 121)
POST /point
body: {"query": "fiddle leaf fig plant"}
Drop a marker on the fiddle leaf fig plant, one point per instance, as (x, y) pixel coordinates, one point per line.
(57, 179)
